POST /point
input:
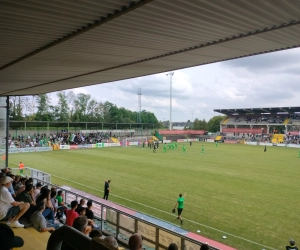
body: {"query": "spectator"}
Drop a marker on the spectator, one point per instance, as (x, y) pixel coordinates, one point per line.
(80, 224)
(80, 205)
(27, 196)
(292, 245)
(89, 212)
(111, 241)
(173, 246)
(60, 198)
(71, 214)
(37, 190)
(95, 233)
(45, 197)
(8, 239)
(10, 210)
(39, 222)
(204, 247)
(81, 211)
(135, 242)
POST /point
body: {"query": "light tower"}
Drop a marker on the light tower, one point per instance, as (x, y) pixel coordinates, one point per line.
(171, 75)
(139, 118)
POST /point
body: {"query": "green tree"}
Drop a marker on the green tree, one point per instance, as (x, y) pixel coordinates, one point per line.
(80, 105)
(200, 124)
(43, 113)
(62, 107)
(214, 123)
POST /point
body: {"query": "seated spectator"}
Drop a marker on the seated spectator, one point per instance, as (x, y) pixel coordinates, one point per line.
(110, 240)
(292, 245)
(60, 198)
(10, 210)
(37, 190)
(81, 211)
(20, 186)
(80, 205)
(89, 212)
(71, 214)
(135, 242)
(204, 247)
(39, 222)
(172, 246)
(27, 196)
(44, 196)
(80, 224)
(16, 180)
(8, 239)
(95, 233)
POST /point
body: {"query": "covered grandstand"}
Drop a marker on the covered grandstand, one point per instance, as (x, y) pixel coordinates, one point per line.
(278, 124)
(49, 46)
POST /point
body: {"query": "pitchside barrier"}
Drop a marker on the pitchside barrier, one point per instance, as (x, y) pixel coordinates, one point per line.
(34, 173)
(121, 223)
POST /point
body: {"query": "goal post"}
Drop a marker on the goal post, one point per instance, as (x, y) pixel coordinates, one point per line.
(134, 141)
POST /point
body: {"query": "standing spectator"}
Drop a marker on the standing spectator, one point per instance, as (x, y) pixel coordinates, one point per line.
(71, 214)
(106, 189)
(292, 245)
(10, 210)
(135, 242)
(39, 222)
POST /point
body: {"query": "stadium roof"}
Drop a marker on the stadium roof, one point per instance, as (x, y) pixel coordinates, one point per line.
(55, 45)
(246, 111)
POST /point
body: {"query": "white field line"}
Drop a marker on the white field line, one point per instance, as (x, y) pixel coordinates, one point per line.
(162, 211)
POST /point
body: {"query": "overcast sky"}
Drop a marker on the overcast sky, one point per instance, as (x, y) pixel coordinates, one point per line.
(269, 80)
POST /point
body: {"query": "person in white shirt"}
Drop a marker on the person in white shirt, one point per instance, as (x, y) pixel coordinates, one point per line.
(37, 190)
(10, 210)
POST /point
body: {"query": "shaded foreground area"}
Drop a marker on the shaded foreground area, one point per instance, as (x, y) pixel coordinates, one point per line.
(236, 191)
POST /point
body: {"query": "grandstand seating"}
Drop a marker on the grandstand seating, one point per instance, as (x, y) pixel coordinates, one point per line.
(286, 121)
(175, 137)
(225, 121)
(114, 140)
(278, 138)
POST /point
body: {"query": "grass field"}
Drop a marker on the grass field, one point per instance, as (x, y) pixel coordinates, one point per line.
(239, 191)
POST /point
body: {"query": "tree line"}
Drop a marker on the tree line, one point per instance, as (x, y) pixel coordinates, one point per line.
(72, 107)
(212, 125)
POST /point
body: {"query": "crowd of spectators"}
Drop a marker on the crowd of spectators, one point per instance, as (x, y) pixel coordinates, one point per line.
(42, 140)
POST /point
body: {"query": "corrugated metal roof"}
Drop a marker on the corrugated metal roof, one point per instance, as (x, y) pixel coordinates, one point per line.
(48, 46)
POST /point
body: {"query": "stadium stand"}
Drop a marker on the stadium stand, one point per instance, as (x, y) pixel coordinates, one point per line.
(225, 120)
(278, 138)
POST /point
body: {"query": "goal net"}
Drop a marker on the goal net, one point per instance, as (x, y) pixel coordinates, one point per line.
(134, 141)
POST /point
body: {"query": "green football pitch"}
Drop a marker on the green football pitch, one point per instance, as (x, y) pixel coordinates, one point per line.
(237, 191)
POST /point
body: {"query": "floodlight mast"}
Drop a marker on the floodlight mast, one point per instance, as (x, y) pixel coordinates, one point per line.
(171, 75)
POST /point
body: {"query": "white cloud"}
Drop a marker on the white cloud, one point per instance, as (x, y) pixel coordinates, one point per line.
(258, 81)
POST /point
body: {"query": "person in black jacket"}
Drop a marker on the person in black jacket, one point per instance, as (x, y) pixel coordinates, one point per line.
(292, 245)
